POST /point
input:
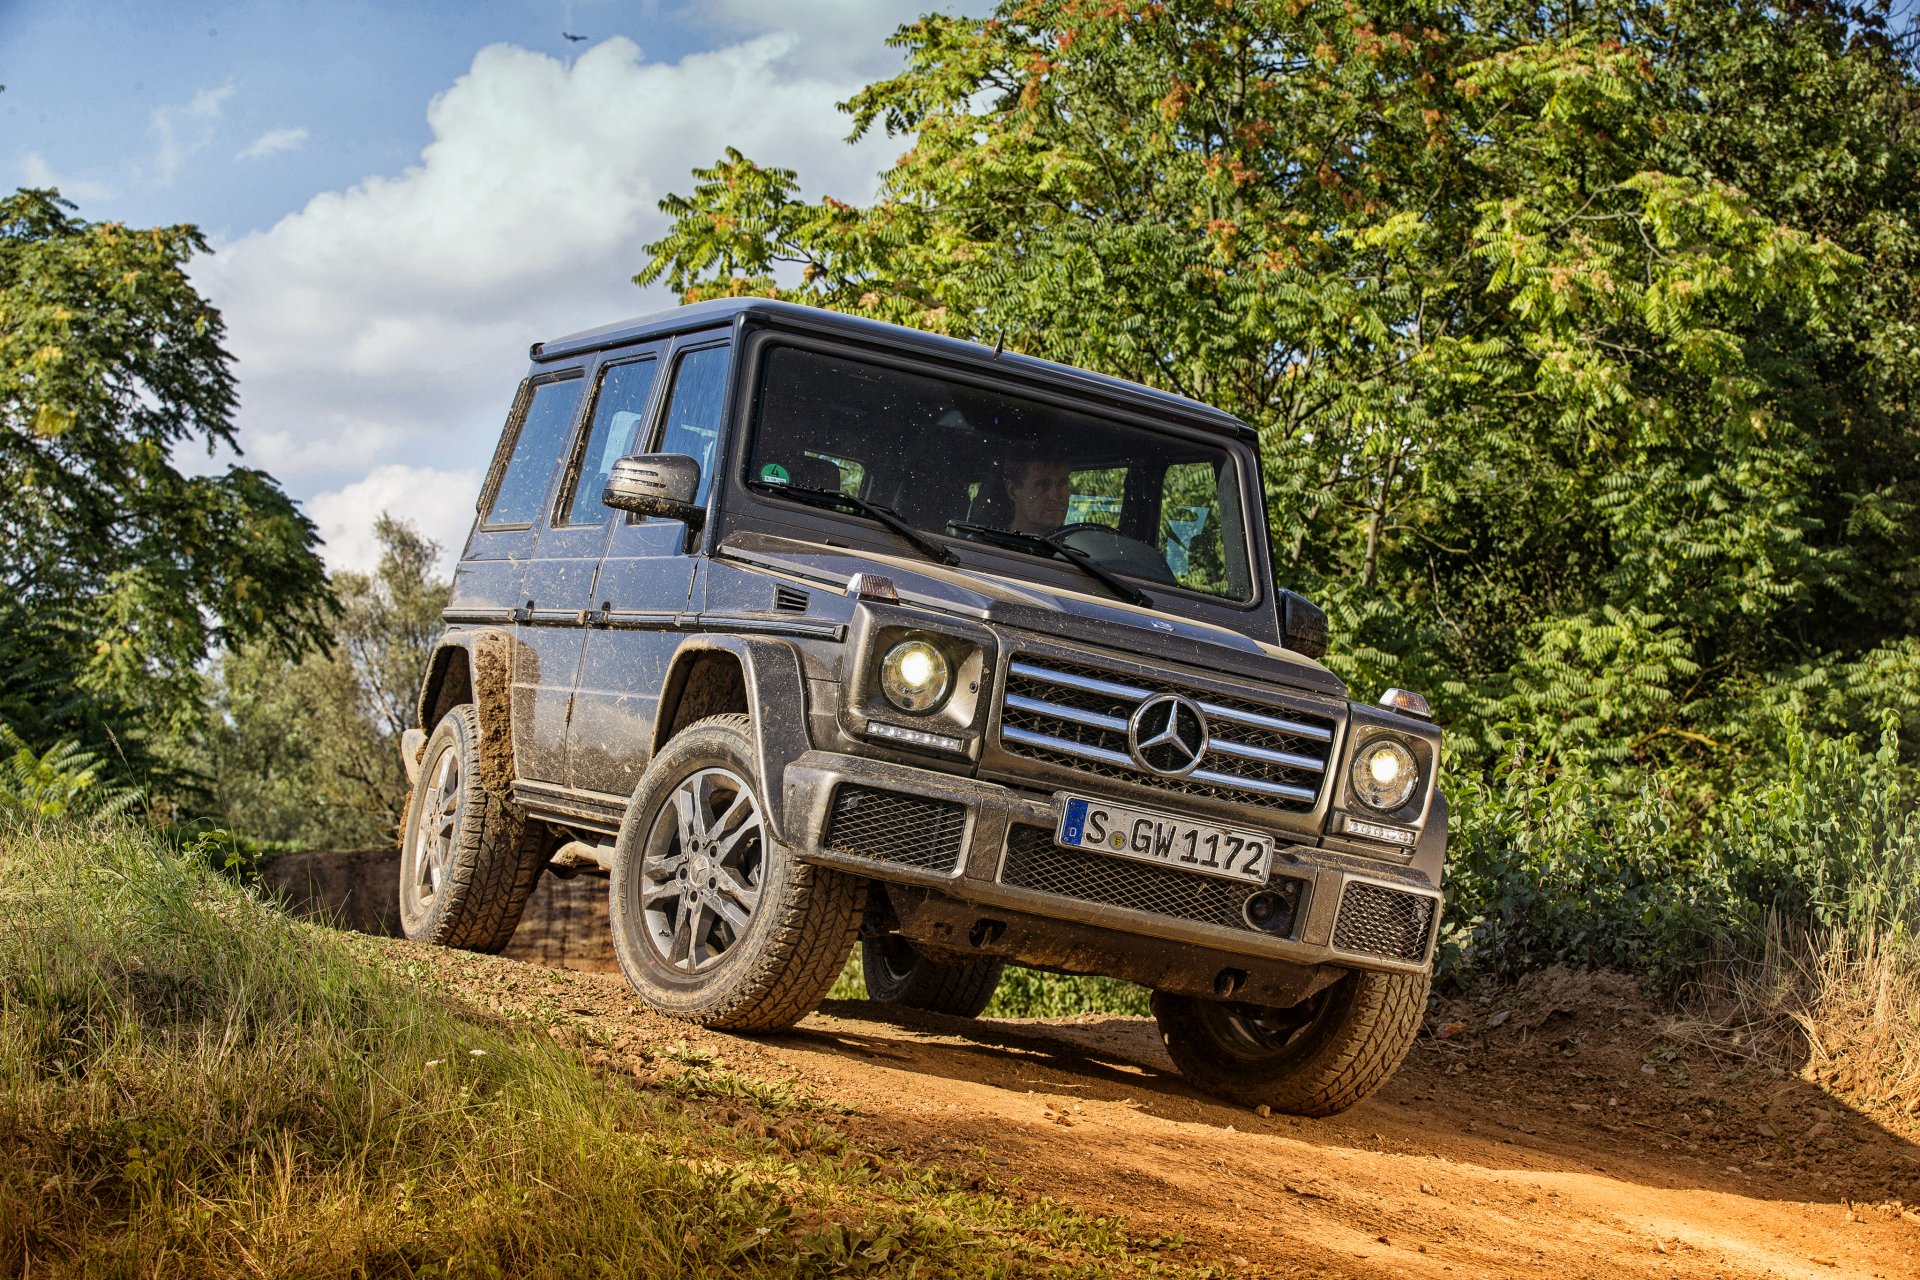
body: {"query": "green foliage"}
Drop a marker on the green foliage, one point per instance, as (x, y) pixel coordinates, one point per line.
(1034, 993)
(64, 781)
(121, 571)
(1029, 993)
(1580, 339)
(307, 751)
(1567, 866)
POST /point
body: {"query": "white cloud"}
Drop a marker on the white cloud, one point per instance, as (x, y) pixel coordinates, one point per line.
(36, 172)
(381, 330)
(273, 143)
(183, 131)
(848, 36)
(439, 503)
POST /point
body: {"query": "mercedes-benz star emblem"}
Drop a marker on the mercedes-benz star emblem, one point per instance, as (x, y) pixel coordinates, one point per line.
(1168, 735)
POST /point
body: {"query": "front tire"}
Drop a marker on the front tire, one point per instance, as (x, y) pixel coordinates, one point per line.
(468, 862)
(897, 972)
(1319, 1058)
(714, 921)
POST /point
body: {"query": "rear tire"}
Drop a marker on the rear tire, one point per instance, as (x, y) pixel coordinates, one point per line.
(468, 862)
(897, 972)
(714, 921)
(1320, 1057)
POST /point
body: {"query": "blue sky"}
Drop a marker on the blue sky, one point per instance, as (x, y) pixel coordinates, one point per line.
(402, 196)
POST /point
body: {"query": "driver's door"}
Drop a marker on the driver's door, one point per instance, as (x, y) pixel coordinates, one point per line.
(644, 587)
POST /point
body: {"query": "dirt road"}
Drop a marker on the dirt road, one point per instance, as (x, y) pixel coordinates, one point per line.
(1565, 1129)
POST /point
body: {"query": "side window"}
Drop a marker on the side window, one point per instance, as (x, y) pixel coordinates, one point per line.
(1191, 530)
(619, 414)
(695, 407)
(543, 434)
(1096, 496)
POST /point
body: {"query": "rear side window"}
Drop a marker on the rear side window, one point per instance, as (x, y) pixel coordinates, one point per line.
(693, 413)
(543, 434)
(619, 418)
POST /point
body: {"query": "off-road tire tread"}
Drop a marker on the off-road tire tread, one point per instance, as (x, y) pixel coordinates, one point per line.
(807, 944)
(497, 857)
(961, 990)
(1358, 1056)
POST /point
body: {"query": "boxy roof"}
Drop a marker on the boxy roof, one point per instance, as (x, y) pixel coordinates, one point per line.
(790, 315)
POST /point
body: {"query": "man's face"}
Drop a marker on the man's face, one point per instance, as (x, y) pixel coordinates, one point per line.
(1039, 493)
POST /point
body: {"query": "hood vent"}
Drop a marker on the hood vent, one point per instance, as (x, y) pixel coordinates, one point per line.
(791, 600)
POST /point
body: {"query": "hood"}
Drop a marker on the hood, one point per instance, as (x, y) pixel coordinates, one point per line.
(1095, 619)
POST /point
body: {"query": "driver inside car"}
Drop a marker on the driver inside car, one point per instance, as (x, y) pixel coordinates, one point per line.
(1039, 489)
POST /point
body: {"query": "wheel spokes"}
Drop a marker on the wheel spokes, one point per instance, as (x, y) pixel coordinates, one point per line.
(732, 885)
(747, 816)
(700, 877)
(686, 813)
(439, 826)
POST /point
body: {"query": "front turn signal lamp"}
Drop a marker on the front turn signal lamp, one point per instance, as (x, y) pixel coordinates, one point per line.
(915, 676)
(1384, 774)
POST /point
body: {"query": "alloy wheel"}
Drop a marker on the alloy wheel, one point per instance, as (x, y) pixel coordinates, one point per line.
(703, 870)
(440, 814)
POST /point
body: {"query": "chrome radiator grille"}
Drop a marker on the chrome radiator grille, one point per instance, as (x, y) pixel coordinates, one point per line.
(1077, 717)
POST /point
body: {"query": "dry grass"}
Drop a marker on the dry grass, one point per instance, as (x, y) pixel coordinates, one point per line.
(193, 1085)
(1844, 1012)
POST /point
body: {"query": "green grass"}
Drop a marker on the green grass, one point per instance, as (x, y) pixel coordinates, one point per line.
(193, 1085)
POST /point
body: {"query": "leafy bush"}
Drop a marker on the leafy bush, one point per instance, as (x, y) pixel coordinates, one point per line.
(1028, 993)
(1034, 993)
(63, 781)
(1579, 866)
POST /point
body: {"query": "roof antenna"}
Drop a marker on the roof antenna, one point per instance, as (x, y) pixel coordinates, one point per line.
(999, 344)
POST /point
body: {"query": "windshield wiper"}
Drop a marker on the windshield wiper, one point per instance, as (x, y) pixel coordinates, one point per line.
(873, 511)
(1050, 545)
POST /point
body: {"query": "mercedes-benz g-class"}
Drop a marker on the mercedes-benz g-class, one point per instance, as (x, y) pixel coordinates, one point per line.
(805, 628)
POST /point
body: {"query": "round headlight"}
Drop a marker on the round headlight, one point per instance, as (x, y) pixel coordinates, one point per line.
(1384, 774)
(915, 676)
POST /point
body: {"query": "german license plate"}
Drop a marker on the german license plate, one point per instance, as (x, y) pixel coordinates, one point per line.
(1144, 836)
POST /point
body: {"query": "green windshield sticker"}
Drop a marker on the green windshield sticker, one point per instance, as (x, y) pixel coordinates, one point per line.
(774, 473)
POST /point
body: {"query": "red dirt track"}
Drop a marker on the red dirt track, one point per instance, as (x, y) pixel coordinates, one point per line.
(1560, 1130)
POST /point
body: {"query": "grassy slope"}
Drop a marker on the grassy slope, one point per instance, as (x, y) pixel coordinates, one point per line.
(191, 1084)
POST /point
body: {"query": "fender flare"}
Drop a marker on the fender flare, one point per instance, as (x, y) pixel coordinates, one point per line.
(1430, 855)
(776, 690)
(486, 654)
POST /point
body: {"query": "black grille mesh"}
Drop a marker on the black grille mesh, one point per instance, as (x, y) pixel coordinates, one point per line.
(1035, 862)
(1378, 921)
(1108, 704)
(906, 830)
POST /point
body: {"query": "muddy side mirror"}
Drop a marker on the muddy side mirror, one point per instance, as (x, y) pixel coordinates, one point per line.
(1303, 627)
(655, 484)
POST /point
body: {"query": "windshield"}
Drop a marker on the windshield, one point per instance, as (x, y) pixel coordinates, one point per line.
(956, 458)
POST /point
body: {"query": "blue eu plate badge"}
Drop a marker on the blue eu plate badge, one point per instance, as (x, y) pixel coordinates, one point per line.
(1076, 822)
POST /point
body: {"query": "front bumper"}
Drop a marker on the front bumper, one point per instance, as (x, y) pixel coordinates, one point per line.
(990, 847)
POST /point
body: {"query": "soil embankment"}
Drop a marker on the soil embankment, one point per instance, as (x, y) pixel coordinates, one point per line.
(564, 926)
(1564, 1129)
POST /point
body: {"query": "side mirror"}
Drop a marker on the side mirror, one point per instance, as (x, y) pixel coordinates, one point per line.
(655, 484)
(1303, 627)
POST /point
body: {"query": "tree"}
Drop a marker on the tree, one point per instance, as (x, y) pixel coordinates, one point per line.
(1579, 338)
(121, 571)
(307, 751)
